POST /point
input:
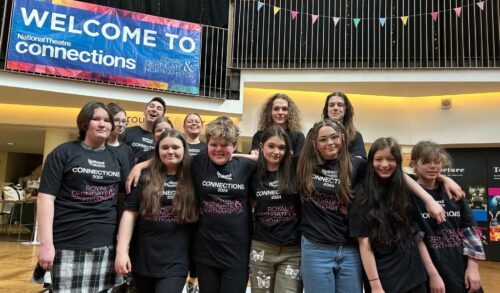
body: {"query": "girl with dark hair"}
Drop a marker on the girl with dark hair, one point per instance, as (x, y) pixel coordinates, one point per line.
(280, 110)
(338, 107)
(193, 125)
(160, 208)
(77, 212)
(275, 249)
(222, 184)
(394, 257)
(454, 245)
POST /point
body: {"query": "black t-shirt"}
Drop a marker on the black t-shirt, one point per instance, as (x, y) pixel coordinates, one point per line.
(445, 241)
(144, 156)
(160, 246)
(126, 156)
(324, 217)
(84, 183)
(276, 216)
(400, 268)
(223, 233)
(357, 146)
(139, 140)
(296, 138)
(196, 148)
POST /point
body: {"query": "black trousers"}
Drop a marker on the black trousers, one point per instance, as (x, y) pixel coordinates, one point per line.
(217, 280)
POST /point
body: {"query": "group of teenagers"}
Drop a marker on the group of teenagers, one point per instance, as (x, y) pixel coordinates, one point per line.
(310, 213)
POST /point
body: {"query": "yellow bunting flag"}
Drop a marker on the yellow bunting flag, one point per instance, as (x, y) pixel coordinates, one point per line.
(276, 10)
(404, 19)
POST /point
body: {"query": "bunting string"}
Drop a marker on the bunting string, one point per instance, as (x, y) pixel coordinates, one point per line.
(356, 20)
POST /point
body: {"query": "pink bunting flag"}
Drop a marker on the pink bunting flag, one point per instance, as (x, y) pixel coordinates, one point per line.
(480, 5)
(434, 15)
(314, 17)
(294, 14)
(458, 10)
(336, 20)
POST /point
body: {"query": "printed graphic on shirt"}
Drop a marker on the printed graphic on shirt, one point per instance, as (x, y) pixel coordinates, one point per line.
(278, 214)
(94, 193)
(223, 206)
(445, 238)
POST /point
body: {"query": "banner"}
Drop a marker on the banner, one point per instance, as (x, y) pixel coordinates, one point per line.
(81, 40)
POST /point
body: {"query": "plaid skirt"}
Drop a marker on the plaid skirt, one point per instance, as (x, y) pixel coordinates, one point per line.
(84, 270)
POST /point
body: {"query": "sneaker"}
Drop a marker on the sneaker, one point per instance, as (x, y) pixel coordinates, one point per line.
(192, 288)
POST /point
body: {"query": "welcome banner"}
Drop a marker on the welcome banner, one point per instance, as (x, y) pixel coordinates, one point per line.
(81, 40)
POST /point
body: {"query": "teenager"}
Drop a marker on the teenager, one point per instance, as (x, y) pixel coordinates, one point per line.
(275, 248)
(160, 125)
(140, 138)
(280, 110)
(120, 123)
(326, 173)
(160, 209)
(77, 212)
(382, 218)
(193, 125)
(222, 183)
(330, 260)
(338, 107)
(457, 266)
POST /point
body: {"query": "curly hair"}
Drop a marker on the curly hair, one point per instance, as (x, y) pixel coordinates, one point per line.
(266, 121)
(222, 127)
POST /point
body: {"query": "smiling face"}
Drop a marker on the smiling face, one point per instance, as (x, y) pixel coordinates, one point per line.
(274, 150)
(279, 113)
(220, 150)
(171, 152)
(153, 110)
(160, 128)
(99, 127)
(384, 163)
(328, 143)
(336, 108)
(193, 125)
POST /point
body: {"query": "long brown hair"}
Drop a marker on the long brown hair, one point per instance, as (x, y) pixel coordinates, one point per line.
(265, 119)
(310, 158)
(184, 203)
(348, 120)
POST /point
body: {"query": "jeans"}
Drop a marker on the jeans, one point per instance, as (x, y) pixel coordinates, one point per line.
(330, 268)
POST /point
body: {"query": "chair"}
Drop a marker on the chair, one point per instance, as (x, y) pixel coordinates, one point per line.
(21, 214)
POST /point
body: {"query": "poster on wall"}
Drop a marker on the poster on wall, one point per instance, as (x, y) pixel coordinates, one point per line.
(494, 195)
(81, 40)
(470, 173)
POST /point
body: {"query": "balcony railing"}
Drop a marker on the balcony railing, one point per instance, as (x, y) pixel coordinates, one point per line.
(334, 34)
(214, 76)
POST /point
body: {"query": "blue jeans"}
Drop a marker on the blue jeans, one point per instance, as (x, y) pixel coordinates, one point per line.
(330, 268)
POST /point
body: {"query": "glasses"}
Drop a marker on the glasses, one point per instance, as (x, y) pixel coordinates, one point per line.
(122, 122)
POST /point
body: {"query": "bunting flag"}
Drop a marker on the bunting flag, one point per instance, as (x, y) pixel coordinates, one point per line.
(434, 15)
(314, 17)
(404, 19)
(259, 5)
(356, 21)
(382, 21)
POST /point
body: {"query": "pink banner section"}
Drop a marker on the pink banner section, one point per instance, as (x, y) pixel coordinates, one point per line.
(494, 191)
(23, 66)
